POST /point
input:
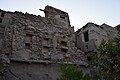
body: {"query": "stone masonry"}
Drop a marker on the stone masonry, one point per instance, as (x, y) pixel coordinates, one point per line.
(35, 45)
(90, 36)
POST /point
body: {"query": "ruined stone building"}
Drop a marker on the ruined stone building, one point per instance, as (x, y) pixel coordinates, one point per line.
(90, 36)
(33, 46)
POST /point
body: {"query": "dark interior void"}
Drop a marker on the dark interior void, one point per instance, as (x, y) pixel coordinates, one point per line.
(62, 17)
(87, 46)
(27, 45)
(0, 20)
(64, 50)
(63, 43)
(89, 58)
(30, 35)
(86, 36)
(2, 14)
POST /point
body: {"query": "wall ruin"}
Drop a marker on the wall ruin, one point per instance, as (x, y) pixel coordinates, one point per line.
(31, 41)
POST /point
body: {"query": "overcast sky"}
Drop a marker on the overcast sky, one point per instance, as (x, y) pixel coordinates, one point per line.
(80, 11)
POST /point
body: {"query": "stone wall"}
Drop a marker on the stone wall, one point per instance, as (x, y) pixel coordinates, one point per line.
(27, 39)
(26, 70)
(28, 36)
(40, 38)
(32, 71)
(96, 34)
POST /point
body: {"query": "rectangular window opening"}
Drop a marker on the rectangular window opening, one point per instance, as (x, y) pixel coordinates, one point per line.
(27, 45)
(46, 41)
(63, 43)
(101, 27)
(64, 50)
(2, 14)
(45, 49)
(1, 35)
(30, 35)
(86, 36)
(0, 20)
(87, 46)
(62, 17)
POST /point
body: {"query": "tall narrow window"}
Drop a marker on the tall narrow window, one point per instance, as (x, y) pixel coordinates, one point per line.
(87, 46)
(0, 20)
(86, 36)
(2, 14)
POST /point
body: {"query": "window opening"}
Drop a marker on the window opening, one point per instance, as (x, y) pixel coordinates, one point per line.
(63, 43)
(62, 17)
(2, 14)
(0, 20)
(27, 45)
(64, 50)
(86, 36)
(87, 46)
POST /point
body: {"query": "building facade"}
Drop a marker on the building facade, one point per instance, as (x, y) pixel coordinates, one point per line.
(35, 46)
(90, 36)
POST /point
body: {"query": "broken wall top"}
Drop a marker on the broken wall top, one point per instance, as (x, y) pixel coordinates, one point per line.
(49, 9)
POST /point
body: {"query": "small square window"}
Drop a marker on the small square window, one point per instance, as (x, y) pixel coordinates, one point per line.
(63, 43)
(62, 17)
(30, 35)
(89, 58)
(27, 45)
(64, 51)
(101, 27)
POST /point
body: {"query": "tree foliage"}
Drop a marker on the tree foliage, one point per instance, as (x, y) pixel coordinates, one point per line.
(107, 59)
(105, 63)
(71, 72)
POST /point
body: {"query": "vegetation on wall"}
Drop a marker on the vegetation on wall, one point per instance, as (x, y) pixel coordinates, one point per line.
(71, 72)
(106, 62)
